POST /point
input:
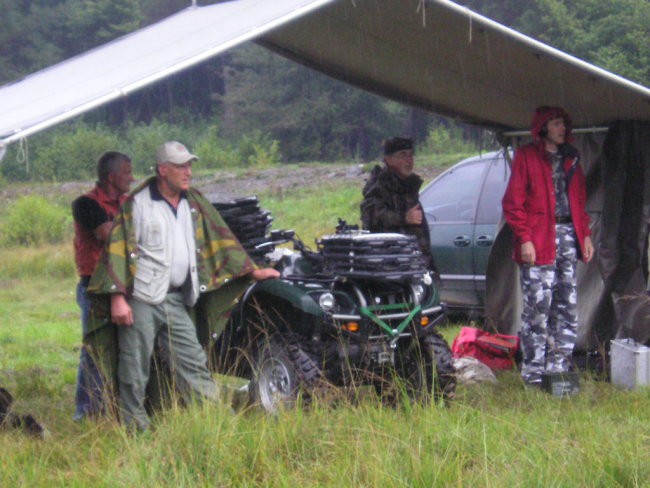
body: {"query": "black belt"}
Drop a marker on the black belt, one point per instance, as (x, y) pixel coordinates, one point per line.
(84, 280)
(563, 220)
(175, 289)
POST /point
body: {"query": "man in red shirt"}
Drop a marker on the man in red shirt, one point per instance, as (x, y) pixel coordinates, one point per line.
(544, 205)
(93, 219)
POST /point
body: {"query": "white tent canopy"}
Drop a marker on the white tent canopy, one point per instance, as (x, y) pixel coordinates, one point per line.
(432, 54)
(445, 58)
(143, 57)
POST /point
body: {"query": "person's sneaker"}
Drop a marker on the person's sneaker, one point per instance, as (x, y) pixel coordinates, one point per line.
(26, 423)
(33, 427)
(533, 385)
(561, 384)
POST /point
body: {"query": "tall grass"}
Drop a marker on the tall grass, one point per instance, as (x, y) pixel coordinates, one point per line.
(53, 261)
(493, 435)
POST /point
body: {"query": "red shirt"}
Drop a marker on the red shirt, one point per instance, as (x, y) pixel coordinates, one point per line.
(529, 202)
(90, 211)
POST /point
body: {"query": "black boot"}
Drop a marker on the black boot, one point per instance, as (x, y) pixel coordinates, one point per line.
(11, 420)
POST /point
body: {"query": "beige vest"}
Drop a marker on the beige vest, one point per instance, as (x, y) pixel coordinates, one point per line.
(154, 224)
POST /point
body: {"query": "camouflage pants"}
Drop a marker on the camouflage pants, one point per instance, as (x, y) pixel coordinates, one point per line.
(550, 314)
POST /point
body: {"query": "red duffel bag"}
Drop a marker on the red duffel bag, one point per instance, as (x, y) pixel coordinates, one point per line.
(495, 350)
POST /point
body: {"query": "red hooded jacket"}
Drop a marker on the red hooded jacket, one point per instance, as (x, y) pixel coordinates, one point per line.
(529, 200)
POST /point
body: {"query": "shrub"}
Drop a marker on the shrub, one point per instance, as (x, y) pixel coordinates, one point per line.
(71, 155)
(142, 141)
(214, 152)
(444, 140)
(32, 220)
(258, 149)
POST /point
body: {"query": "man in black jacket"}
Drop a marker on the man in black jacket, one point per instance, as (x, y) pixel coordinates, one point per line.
(391, 196)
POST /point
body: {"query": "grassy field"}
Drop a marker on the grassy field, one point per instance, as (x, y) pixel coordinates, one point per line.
(493, 435)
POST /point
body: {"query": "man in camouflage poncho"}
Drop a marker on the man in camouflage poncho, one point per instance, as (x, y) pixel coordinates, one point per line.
(391, 197)
(168, 246)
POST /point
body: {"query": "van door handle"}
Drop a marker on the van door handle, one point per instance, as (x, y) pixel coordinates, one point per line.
(462, 241)
(484, 241)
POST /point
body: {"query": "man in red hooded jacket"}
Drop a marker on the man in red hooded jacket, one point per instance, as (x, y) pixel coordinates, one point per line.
(544, 205)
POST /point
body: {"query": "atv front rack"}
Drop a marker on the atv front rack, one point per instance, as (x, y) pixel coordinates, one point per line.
(358, 254)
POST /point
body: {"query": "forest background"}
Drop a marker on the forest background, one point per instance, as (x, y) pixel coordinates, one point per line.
(252, 107)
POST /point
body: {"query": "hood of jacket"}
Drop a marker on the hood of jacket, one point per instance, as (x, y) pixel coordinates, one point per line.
(542, 115)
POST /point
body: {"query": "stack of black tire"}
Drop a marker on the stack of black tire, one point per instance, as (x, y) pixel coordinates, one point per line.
(250, 224)
(372, 256)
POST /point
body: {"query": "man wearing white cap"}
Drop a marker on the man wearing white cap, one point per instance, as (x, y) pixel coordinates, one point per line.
(167, 247)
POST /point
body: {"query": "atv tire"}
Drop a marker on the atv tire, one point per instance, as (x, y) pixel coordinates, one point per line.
(424, 370)
(282, 373)
(437, 350)
(414, 373)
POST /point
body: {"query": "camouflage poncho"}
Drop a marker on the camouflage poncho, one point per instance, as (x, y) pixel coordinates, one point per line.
(386, 199)
(222, 263)
(220, 260)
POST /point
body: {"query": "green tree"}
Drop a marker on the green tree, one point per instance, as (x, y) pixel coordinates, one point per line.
(612, 34)
(26, 36)
(89, 23)
(313, 116)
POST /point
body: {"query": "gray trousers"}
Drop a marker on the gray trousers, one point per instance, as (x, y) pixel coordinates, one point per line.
(550, 313)
(180, 346)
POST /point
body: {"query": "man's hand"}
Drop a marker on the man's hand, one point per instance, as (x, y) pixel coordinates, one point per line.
(528, 253)
(589, 249)
(121, 313)
(265, 274)
(414, 215)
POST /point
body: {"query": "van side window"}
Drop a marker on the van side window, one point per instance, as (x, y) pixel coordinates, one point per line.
(454, 195)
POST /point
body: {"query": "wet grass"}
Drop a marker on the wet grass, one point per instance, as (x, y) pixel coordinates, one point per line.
(493, 435)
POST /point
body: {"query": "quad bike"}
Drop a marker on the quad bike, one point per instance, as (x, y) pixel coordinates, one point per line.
(360, 310)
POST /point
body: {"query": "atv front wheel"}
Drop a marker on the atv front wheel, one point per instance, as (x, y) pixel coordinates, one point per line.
(281, 371)
(414, 373)
(437, 349)
(425, 368)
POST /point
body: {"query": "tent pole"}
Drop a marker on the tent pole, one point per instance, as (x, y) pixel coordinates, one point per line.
(582, 130)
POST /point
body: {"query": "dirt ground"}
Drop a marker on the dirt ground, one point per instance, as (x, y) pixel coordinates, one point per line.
(225, 185)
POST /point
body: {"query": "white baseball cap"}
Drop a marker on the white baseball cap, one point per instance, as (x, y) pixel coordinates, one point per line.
(174, 152)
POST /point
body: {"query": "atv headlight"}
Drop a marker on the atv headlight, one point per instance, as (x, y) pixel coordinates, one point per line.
(427, 278)
(419, 292)
(326, 301)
